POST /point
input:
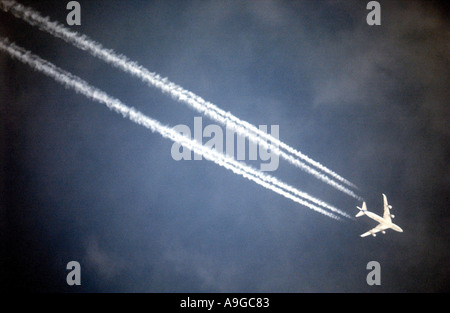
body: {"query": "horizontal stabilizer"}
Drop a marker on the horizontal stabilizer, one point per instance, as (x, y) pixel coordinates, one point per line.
(361, 210)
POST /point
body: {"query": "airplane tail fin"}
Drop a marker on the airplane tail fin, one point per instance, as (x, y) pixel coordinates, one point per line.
(362, 210)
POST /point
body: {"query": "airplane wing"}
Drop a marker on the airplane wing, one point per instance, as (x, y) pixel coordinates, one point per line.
(375, 230)
(387, 213)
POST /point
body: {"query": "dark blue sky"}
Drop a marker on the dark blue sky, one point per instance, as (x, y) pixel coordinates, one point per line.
(371, 103)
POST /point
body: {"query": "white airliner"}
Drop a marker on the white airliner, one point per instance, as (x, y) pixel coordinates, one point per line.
(385, 221)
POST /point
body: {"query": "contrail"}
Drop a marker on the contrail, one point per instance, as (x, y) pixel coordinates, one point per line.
(210, 110)
(82, 87)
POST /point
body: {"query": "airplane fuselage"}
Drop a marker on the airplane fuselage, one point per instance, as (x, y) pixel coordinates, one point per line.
(383, 221)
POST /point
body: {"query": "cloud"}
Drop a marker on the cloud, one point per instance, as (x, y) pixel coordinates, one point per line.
(376, 65)
(371, 102)
(104, 263)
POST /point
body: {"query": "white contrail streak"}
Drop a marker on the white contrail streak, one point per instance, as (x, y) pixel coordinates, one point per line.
(210, 110)
(81, 86)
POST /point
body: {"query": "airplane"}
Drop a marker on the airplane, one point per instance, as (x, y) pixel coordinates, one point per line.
(385, 221)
